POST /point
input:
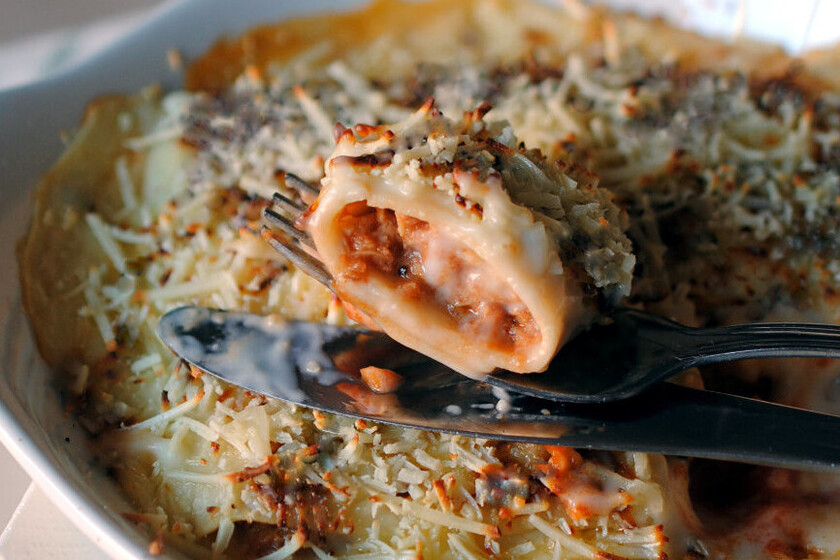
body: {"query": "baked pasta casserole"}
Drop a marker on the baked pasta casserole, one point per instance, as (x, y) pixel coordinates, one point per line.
(642, 164)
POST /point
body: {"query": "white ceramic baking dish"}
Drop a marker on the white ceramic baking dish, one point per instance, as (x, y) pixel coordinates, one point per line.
(33, 424)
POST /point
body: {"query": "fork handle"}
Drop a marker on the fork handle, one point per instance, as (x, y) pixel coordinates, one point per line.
(761, 340)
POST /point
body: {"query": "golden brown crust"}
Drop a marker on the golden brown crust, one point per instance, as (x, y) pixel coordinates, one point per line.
(548, 29)
(260, 47)
(823, 63)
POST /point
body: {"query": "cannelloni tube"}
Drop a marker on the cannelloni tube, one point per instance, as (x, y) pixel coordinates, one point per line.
(461, 244)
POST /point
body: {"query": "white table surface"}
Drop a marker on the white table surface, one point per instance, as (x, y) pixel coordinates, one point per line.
(15, 482)
(25, 537)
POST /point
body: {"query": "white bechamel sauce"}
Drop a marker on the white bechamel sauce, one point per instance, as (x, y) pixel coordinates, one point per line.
(453, 409)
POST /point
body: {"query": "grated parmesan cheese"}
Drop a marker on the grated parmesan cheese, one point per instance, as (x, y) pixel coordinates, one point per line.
(105, 236)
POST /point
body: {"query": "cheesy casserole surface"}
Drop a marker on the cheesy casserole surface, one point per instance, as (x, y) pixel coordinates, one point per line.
(721, 163)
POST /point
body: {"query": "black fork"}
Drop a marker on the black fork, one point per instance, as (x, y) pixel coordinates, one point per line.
(287, 238)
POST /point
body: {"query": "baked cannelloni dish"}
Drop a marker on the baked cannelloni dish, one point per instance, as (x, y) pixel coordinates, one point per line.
(490, 177)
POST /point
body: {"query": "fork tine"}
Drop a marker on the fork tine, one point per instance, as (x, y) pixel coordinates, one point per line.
(286, 225)
(295, 182)
(299, 257)
(291, 206)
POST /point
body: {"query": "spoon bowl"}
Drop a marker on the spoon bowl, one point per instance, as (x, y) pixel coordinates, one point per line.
(636, 350)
